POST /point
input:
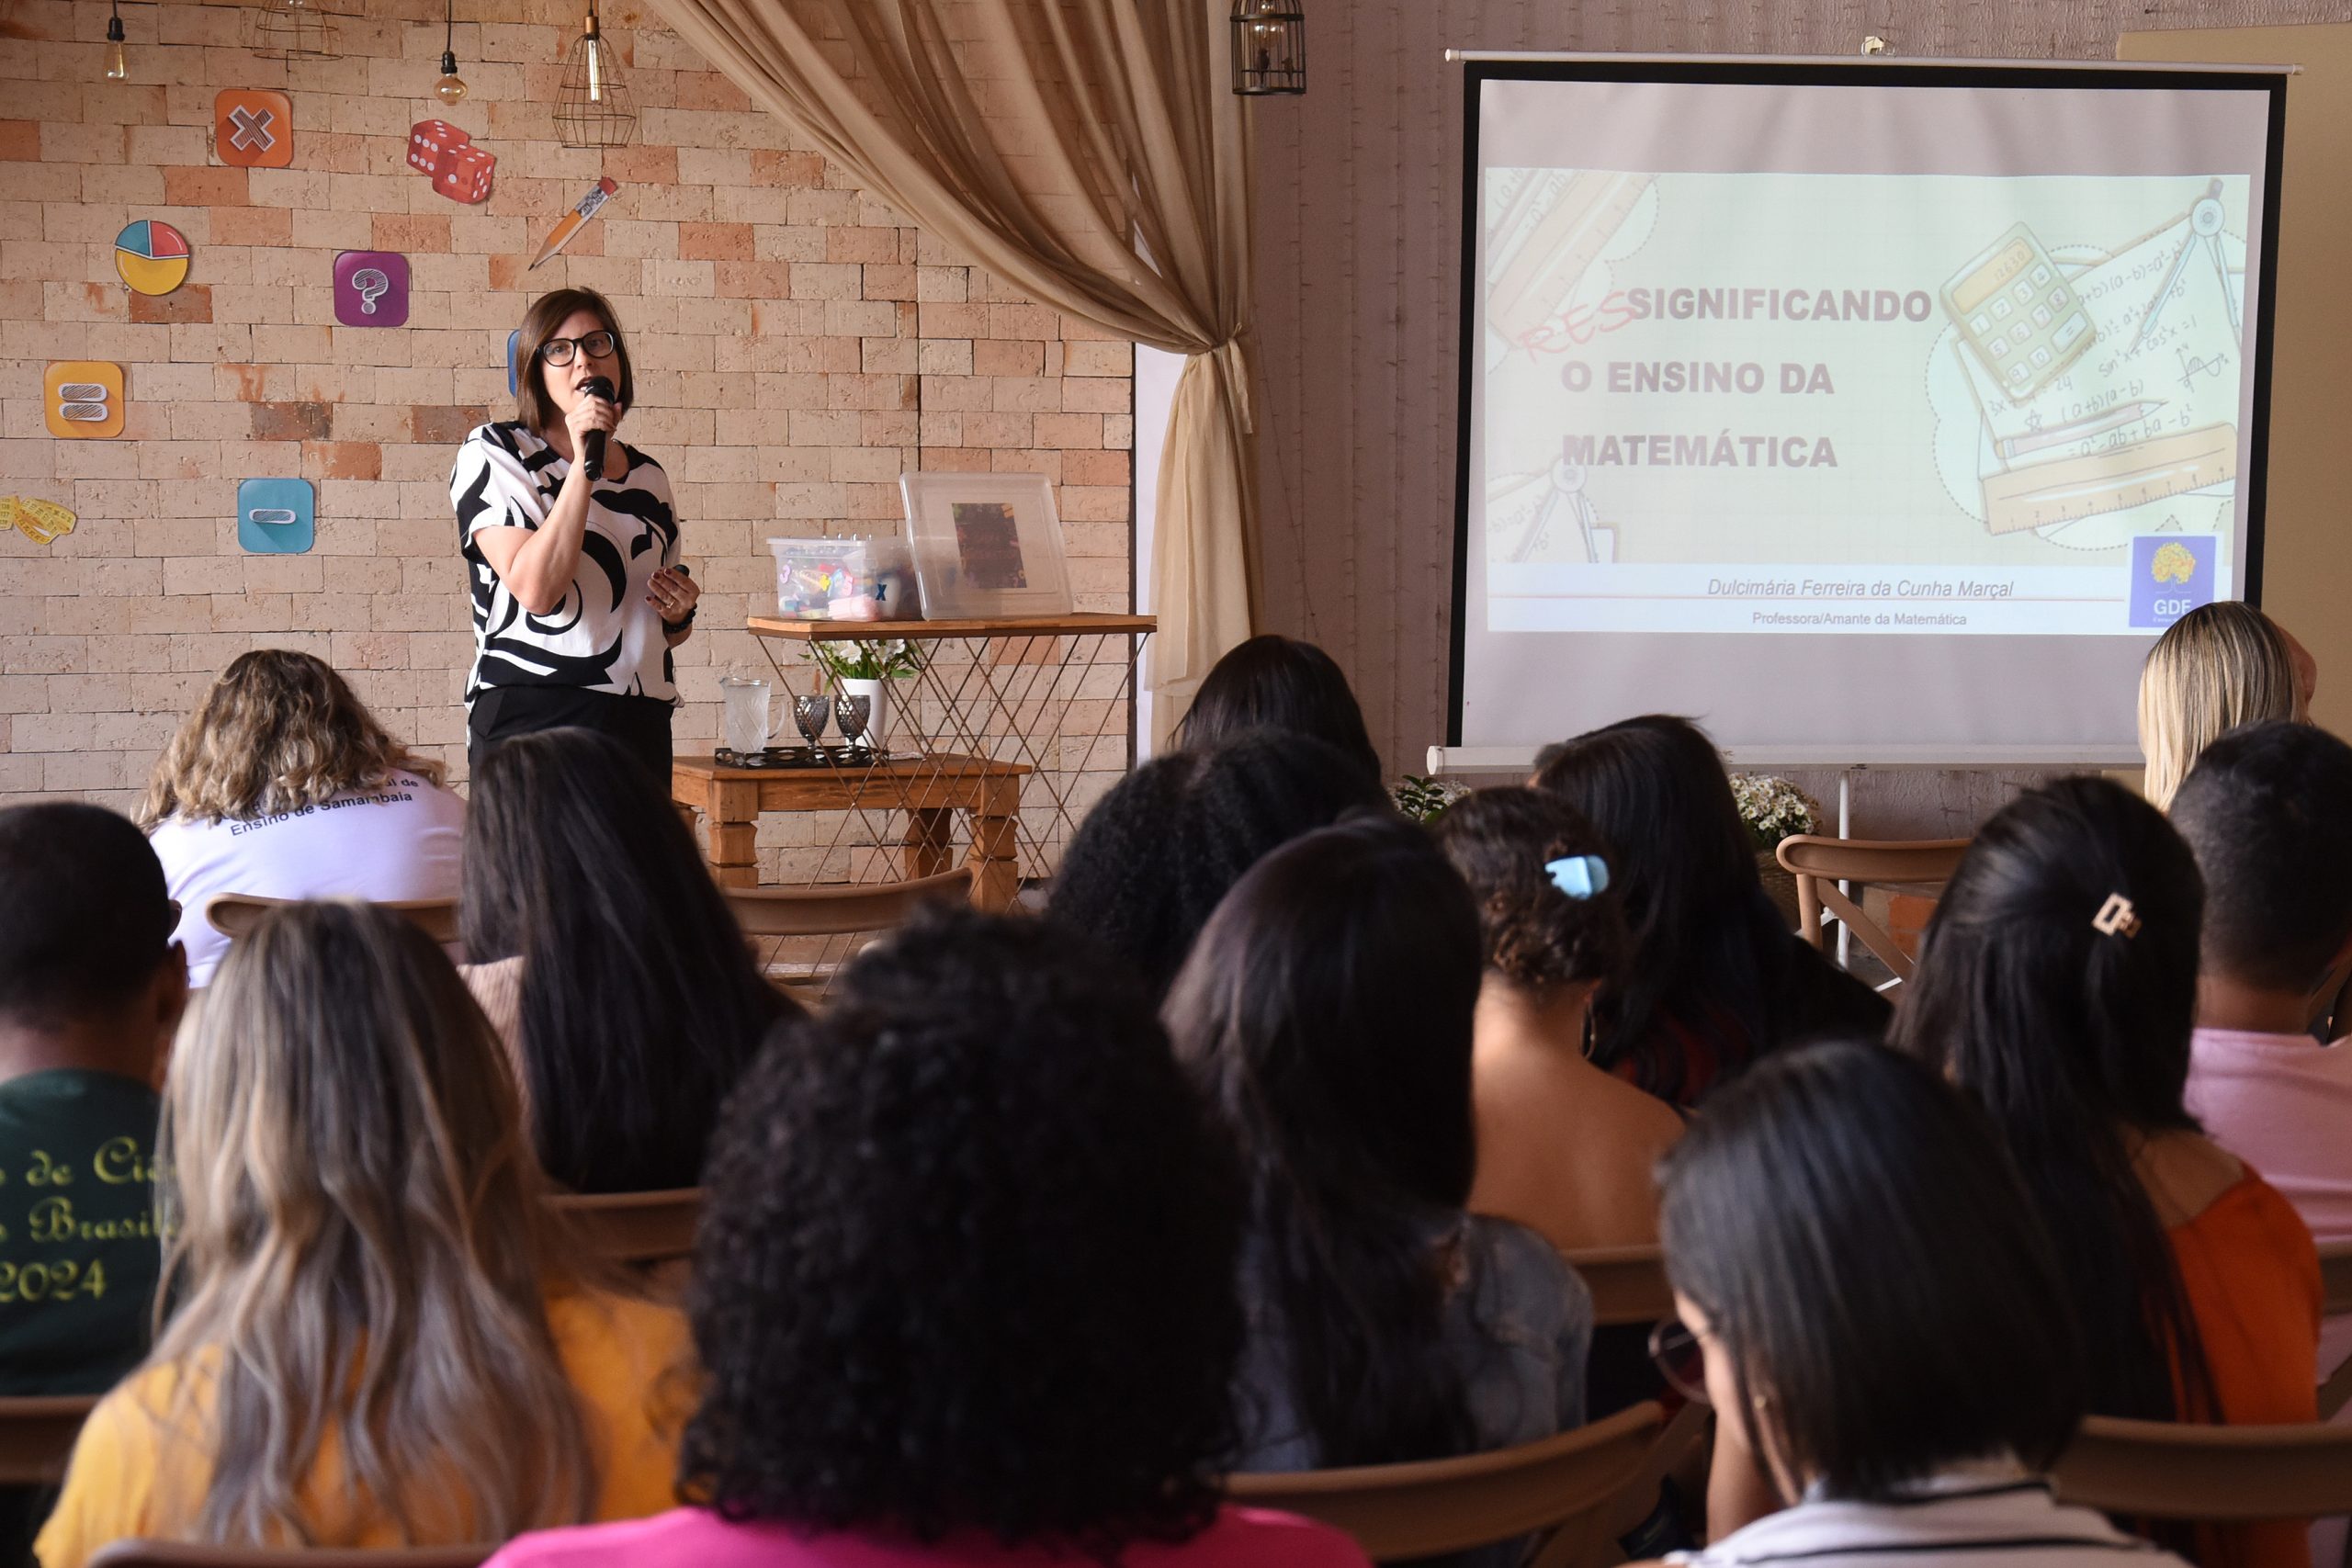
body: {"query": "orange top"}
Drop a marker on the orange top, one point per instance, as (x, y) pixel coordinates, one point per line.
(2252, 1278)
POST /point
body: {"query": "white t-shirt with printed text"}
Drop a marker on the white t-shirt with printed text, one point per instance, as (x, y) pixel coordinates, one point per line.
(396, 843)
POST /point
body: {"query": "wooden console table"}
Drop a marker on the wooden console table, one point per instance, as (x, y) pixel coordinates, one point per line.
(927, 789)
(1038, 704)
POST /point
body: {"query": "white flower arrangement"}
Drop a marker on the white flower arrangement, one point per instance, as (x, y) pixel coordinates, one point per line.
(1773, 809)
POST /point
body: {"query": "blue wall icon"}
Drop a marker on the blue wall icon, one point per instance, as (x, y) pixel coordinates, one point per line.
(276, 517)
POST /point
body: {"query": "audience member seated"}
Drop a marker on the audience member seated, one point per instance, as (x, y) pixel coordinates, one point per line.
(1153, 857)
(2264, 810)
(91, 985)
(282, 785)
(1328, 1012)
(1282, 683)
(608, 960)
(1563, 1149)
(963, 1288)
(2058, 984)
(376, 1339)
(1715, 978)
(1870, 1305)
(2219, 666)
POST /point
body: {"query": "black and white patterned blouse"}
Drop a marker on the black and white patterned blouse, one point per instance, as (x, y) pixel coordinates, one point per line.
(603, 636)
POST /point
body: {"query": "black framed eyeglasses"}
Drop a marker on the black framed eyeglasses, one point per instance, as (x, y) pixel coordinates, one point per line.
(595, 345)
(1680, 1360)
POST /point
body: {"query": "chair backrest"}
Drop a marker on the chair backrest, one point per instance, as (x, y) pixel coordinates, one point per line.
(1819, 864)
(1628, 1283)
(37, 1436)
(235, 914)
(838, 911)
(1560, 1486)
(2335, 1278)
(2171, 1469)
(635, 1227)
(181, 1554)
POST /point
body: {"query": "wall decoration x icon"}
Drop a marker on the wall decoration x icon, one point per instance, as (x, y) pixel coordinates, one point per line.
(252, 132)
(253, 128)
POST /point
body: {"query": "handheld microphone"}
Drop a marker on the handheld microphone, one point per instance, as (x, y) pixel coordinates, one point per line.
(591, 450)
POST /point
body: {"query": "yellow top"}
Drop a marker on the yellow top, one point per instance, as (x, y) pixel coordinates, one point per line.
(616, 1351)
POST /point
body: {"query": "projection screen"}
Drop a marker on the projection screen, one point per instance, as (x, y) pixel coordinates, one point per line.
(1866, 413)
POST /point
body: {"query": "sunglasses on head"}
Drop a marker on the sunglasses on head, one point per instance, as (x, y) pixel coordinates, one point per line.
(559, 350)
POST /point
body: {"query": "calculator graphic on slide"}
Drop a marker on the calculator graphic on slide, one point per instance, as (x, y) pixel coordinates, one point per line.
(2019, 314)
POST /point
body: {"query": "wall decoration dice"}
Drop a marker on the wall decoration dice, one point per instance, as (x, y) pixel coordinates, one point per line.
(447, 156)
(252, 129)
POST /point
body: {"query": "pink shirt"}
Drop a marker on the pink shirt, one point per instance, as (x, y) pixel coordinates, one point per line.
(696, 1538)
(2282, 1104)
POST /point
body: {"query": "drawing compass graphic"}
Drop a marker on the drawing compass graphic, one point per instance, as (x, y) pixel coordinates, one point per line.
(1566, 496)
(2205, 234)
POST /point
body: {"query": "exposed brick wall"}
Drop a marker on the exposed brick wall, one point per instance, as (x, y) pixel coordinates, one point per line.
(797, 345)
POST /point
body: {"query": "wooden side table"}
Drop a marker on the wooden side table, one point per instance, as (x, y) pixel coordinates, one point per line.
(927, 789)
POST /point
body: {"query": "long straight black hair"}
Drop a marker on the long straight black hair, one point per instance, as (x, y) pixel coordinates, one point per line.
(2076, 1039)
(1709, 952)
(1869, 1262)
(1326, 1009)
(640, 1001)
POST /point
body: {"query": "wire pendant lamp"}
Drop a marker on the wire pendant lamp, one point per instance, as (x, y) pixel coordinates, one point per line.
(289, 29)
(1268, 48)
(593, 107)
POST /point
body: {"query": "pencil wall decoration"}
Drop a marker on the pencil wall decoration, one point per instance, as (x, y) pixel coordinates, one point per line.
(577, 218)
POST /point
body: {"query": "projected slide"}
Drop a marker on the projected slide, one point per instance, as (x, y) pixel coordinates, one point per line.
(1947, 403)
(1962, 364)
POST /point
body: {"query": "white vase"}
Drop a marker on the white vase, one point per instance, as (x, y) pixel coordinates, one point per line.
(878, 710)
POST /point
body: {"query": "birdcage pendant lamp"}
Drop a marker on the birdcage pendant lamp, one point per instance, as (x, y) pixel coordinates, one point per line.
(1269, 46)
(593, 107)
(289, 29)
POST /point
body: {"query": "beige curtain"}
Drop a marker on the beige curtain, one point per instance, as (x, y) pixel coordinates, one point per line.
(1091, 153)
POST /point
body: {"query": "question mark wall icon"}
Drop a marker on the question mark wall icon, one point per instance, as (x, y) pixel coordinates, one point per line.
(371, 289)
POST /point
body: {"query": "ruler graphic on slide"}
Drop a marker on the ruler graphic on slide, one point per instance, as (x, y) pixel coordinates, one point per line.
(1532, 280)
(2076, 487)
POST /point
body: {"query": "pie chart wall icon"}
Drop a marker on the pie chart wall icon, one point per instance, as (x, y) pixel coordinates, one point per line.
(151, 255)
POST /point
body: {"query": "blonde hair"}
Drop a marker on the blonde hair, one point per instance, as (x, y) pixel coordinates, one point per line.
(2217, 667)
(356, 1210)
(279, 731)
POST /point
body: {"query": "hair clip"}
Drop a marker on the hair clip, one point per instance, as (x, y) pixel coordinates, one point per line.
(1578, 876)
(2115, 918)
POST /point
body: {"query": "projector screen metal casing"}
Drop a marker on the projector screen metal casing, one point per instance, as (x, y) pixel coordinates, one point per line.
(1857, 697)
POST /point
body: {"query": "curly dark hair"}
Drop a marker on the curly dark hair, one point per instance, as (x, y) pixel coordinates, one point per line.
(1154, 857)
(969, 1257)
(1535, 935)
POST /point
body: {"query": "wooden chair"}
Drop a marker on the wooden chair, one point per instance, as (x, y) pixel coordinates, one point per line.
(635, 1227)
(1819, 864)
(1628, 1284)
(2335, 1283)
(37, 1437)
(783, 913)
(841, 911)
(180, 1555)
(1561, 1488)
(2170, 1470)
(233, 915)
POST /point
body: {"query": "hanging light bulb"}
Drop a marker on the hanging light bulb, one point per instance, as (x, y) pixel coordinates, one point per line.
(118, 68)
(593, 107)
(451, 87)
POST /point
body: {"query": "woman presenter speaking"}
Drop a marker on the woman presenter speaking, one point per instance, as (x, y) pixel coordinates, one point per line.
(572, 547)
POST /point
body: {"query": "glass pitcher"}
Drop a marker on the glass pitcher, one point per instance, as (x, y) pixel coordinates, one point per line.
(743, 714)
